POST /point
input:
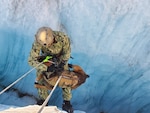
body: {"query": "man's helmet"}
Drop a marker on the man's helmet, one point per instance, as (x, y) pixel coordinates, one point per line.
(44, 36)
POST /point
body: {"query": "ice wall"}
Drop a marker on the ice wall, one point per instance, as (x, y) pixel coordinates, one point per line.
(110, 40)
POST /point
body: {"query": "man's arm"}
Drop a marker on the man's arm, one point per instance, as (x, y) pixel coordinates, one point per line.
(66, 49)
(34, 53)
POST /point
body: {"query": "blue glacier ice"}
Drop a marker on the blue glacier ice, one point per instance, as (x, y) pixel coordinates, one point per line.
(110, 40)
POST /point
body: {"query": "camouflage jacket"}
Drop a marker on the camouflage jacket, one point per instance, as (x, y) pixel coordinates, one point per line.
(60, 47)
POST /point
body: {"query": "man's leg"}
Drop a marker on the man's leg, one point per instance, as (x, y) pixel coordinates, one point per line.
(67, 95)
(43, 93)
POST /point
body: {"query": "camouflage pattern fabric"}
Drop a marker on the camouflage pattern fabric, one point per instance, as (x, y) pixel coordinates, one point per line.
(61, 49)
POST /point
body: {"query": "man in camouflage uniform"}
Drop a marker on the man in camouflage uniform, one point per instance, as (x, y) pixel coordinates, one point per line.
(55, 43)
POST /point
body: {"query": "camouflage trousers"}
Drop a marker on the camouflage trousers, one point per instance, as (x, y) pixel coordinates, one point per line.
(43, 93)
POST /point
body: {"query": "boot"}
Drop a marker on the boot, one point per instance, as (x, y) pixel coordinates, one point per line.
(40, 102)
(67, 106)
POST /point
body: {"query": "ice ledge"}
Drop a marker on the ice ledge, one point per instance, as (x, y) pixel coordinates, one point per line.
(34, 109)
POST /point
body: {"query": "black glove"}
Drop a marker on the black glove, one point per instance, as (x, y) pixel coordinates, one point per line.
(40, 58)
(56, 61)
(51, 68)
(67, 106)
(56, 68)
(61, 65)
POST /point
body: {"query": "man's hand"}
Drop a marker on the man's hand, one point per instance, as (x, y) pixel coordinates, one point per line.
(56, 68)
(41, 58)
(56, 60)
(45, 60)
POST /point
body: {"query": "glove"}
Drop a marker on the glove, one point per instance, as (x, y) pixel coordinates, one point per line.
(67, 106)
(61, 65)
(41, 58)
(56, 68)
(51, 68)
(45, 60)
(56, 60)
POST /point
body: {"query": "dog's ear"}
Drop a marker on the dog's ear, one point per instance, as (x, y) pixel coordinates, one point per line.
(70, 65)
(87, 76)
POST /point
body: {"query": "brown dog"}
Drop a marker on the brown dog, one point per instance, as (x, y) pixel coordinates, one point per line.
(72, 78)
